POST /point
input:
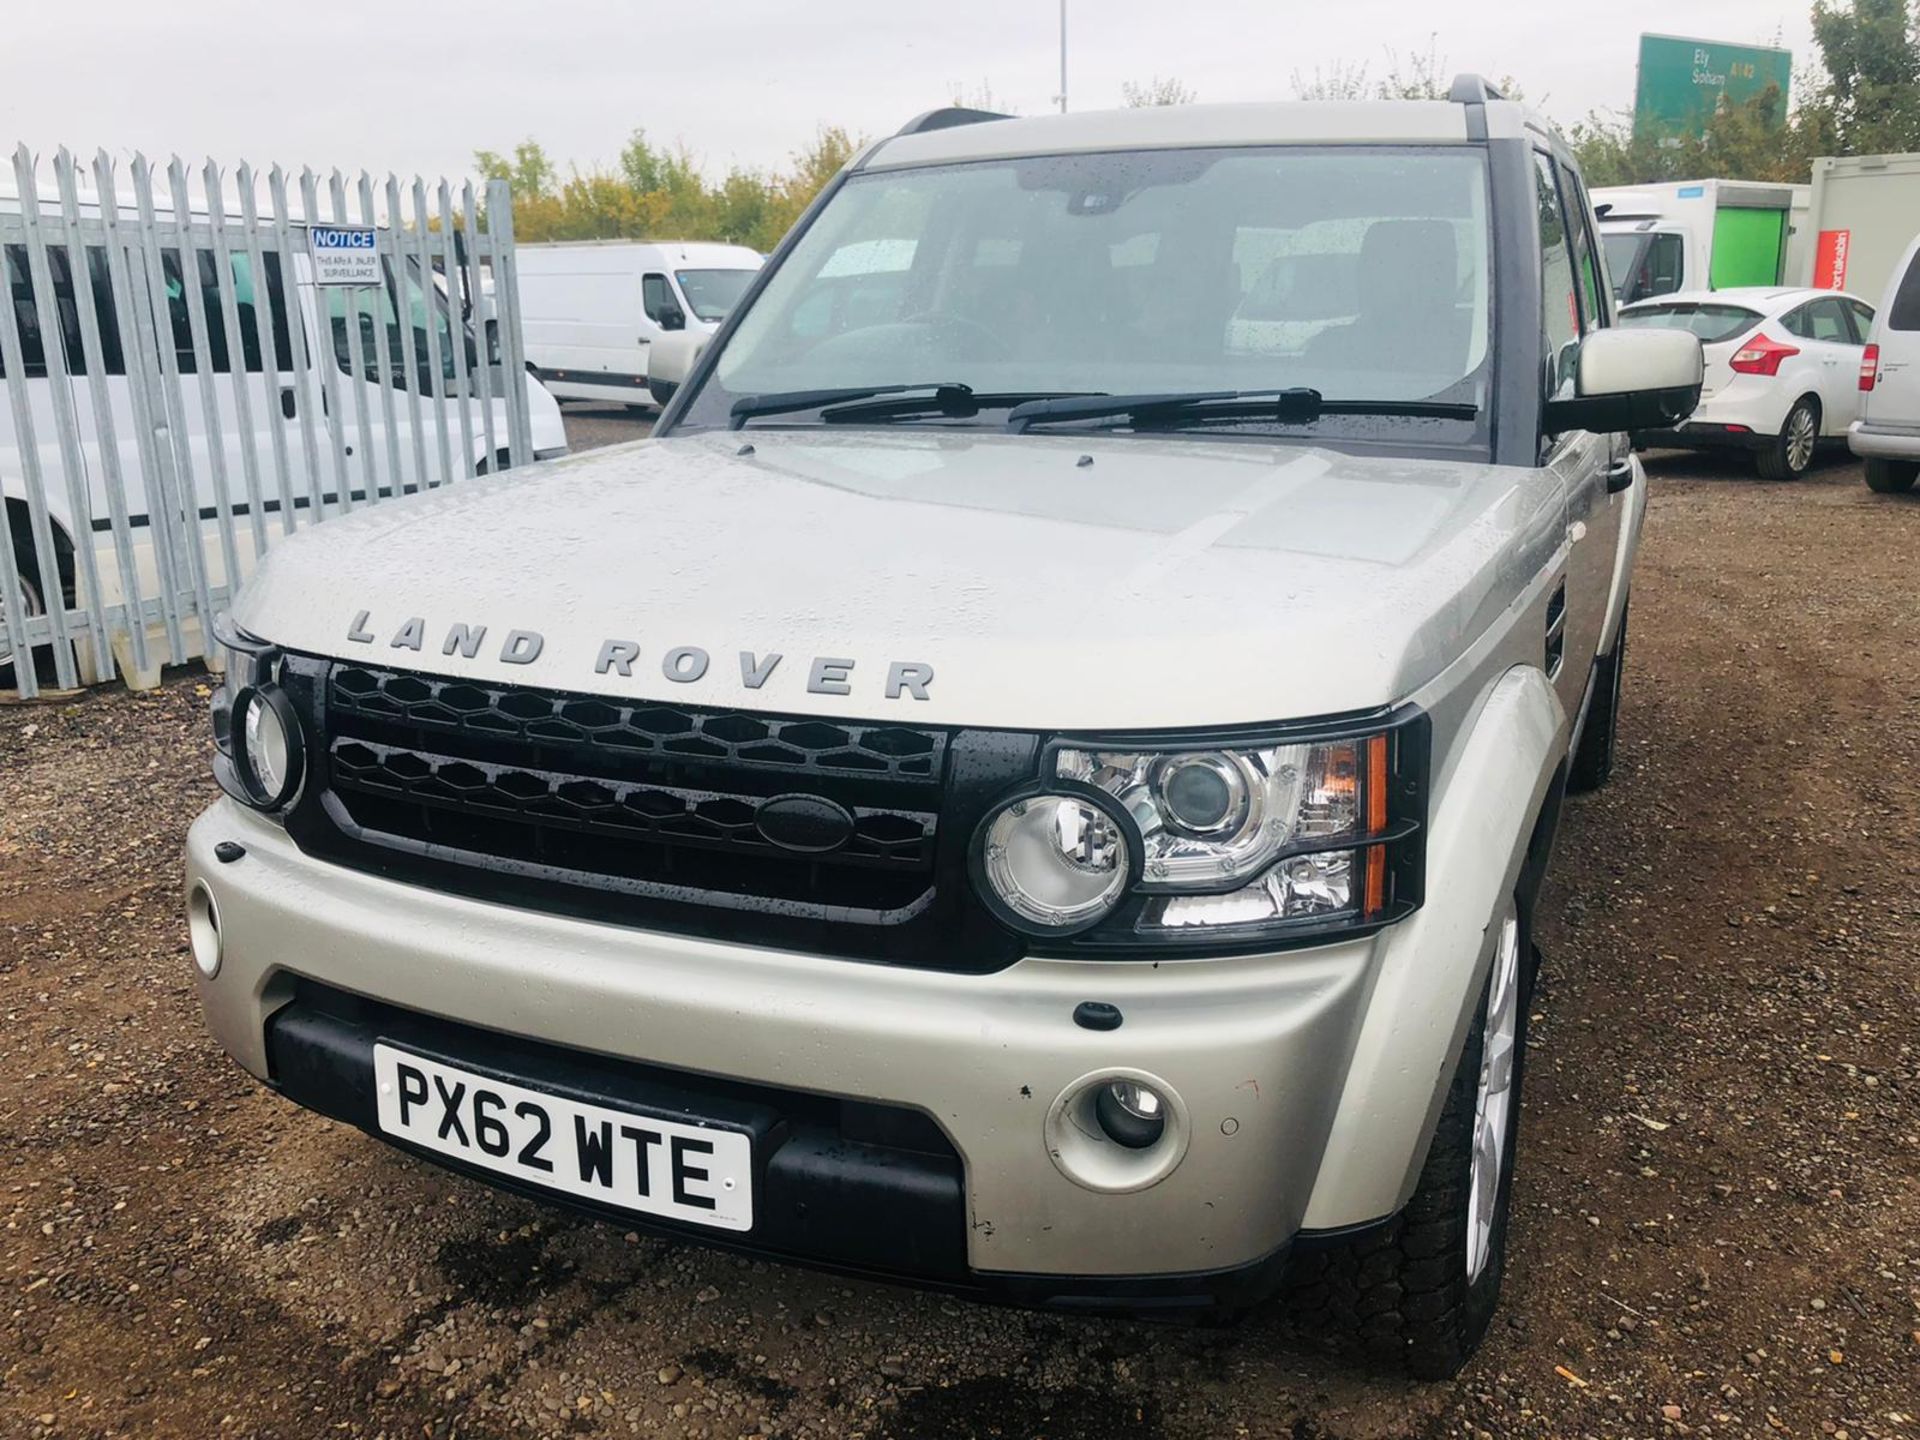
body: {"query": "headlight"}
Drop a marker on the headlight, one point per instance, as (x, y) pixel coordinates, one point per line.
(1054, 863)
(267, 753)
(1237, 842)
(261, 752)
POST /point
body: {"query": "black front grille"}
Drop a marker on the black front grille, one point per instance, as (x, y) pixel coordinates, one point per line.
(652, 814)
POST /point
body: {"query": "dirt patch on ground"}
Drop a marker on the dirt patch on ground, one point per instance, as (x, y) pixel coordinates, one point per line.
(1718, 1227)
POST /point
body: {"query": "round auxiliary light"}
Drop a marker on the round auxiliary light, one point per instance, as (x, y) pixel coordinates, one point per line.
(268, 756)
(1203, 794)
(1132, 1114)
(1055, 863)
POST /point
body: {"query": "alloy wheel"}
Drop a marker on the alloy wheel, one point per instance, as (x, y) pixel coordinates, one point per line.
(1801, 436)
(1493, 1107)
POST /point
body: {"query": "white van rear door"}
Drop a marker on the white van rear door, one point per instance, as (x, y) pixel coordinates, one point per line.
(1895, 398)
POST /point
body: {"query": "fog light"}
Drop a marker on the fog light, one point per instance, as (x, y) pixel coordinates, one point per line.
(1130, 1113)
(203, 930)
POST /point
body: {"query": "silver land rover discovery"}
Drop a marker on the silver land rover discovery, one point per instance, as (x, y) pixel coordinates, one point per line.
(1034, 781)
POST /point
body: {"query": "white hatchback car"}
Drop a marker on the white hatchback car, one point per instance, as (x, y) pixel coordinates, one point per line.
(1887, 433)
(1783, 370)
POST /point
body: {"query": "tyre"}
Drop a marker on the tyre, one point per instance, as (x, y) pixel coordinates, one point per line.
(31, 603)
(1420, 1292)
(1791, 454)
(1892, 477)
(1593, 760)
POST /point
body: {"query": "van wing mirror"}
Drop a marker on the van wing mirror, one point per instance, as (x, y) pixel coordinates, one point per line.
(1631, 380)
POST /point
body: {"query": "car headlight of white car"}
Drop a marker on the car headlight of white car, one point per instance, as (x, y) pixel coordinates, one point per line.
(1235, 839)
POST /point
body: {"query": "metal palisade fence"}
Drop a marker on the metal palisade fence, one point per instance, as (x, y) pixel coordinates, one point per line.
(192, 371)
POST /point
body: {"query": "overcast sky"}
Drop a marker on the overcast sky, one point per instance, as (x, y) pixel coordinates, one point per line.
(415, 86)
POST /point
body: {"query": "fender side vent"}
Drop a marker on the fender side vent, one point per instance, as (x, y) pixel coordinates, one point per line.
(1557, 631)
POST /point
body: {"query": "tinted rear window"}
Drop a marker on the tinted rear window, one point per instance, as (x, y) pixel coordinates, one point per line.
(1712, 323)
(1904, 314)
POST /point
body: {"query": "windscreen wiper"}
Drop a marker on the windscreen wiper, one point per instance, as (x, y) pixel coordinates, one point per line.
(791, 402)
(1298, 406)
(949, 402)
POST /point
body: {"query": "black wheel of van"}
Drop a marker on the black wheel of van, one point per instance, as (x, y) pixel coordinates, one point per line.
(1593, 760)
(1892, 477)
(31, 602)
(1421, 1291)
(1791, 454)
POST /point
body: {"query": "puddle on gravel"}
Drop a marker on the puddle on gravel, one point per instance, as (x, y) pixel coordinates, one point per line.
(508, 1271)
(992, 1408)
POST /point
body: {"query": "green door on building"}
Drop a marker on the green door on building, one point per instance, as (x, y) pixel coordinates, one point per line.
(1749, 247)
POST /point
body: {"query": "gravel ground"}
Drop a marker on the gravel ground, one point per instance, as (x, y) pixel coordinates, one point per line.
(590, 425)
(1716, 1208)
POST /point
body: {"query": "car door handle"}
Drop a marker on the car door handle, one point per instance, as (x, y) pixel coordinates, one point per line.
(1620, 475)
(287, 405)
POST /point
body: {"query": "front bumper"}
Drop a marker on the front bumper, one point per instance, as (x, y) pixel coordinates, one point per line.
(1251, 1051)
(1883, 442)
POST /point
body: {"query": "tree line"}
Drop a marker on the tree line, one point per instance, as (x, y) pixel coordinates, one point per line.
(1860, 97)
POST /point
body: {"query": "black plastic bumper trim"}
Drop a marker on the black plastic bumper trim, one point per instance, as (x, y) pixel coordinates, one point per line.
(839, 1185)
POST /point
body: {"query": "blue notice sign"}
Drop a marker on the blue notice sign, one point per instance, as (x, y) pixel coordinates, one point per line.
(344, 254)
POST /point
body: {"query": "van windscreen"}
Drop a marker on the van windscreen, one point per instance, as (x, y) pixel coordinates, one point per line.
(714, 293)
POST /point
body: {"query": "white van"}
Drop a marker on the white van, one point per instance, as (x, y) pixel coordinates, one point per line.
(1887, 433)
(227, 439)
(593, 309)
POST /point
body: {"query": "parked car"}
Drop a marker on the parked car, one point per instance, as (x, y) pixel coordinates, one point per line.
(1025, 787)
(1887, 433)
(593, 310)
(215, 430)
(1783, 370)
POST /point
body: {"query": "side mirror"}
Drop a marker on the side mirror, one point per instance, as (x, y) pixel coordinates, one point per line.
(675, 319)
(1631, 380)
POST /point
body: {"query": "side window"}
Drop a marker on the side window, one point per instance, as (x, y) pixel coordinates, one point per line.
(1665, 265)
(371, 313)
(25, 315)
(1830, 322)
(1559, 310)
(1862, 319)
(66, 302)
(246, 303)
(1586, 259)
(656, 298)
(1798, 322)
(1904, 313)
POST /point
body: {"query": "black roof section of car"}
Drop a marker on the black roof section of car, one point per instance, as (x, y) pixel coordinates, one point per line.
(948, 116)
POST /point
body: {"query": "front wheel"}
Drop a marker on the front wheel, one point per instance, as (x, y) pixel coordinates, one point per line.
(1421, 1291)
(1790, 455)
(1892, 477)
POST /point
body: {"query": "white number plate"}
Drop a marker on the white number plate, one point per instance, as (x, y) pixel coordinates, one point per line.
(657, 1167)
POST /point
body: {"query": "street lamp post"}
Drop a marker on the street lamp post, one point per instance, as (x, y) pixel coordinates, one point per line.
(1062, 96)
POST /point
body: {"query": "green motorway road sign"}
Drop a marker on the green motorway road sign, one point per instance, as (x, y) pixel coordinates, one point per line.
(1682, 80)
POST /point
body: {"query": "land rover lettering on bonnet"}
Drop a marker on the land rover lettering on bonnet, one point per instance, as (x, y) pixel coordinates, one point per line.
(1035, 781)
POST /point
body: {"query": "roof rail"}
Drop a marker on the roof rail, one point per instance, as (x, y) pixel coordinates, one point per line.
(1471, 89)
(946, 117)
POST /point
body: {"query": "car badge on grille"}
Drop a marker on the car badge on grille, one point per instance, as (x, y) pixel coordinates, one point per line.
(806, 824)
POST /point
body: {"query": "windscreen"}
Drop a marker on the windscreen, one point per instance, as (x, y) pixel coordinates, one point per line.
(1712, 323)
(714, 293)
(1362, 273)
(1623, 254)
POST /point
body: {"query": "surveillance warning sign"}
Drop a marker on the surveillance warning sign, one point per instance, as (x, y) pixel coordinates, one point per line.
(344, 255)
